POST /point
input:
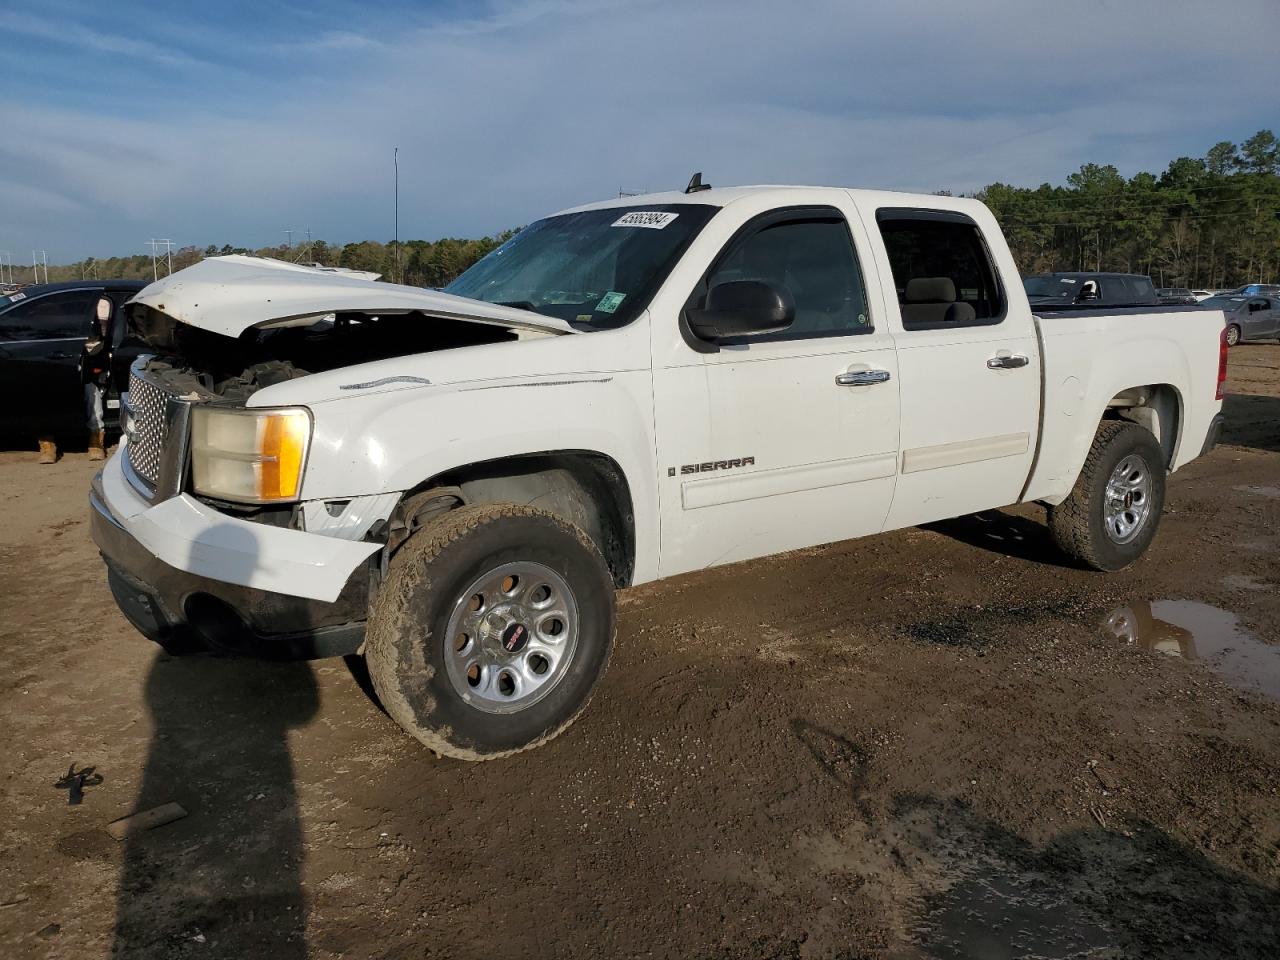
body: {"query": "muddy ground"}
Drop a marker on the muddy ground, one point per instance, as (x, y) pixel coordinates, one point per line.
(933, 743)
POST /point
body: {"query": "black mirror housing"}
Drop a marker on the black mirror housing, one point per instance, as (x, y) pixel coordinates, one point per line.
(742, 308)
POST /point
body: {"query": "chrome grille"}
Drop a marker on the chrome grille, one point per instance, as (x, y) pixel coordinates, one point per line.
(146, 428)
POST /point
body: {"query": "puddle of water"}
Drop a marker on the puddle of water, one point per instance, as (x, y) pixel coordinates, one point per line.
(1197, 631)
(999, 912)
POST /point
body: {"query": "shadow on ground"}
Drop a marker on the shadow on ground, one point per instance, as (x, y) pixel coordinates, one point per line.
(1120, 890)
(227, 879)
(230, 873)
(1005, 534)
(1252, 421)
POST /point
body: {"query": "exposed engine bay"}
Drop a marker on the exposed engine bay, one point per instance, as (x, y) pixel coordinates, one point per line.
(234, 368)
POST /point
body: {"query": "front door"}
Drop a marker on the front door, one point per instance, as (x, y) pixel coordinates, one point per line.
(41, 339)
(783, 440)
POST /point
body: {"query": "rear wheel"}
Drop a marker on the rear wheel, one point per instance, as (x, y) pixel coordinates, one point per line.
(1113, 511)
(1233, 335)
(491, 630)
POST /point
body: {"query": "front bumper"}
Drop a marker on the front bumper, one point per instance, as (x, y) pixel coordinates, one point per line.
(169, 596)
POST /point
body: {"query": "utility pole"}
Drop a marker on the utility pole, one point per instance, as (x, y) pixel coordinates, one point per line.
(288, 239)
(168, 253)
(396, 159)
(35, 265)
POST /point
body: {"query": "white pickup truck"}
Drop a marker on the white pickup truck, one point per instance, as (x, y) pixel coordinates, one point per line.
(456, 482)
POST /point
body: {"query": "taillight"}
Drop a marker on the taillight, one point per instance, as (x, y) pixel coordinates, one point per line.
(1222, 363)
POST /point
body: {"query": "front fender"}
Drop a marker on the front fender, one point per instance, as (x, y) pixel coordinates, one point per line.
(391, 442)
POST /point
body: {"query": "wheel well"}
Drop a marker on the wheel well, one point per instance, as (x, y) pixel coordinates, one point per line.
(587, 489)
(1157, 407)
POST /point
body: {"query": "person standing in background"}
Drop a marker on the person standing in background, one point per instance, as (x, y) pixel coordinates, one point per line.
(95, 372)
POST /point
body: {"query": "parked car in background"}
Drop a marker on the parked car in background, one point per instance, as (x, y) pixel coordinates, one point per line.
(43, 328)
(1176, 295)
(1090, 290)
(1259, 289)
(1201, 294)
(1248, 318)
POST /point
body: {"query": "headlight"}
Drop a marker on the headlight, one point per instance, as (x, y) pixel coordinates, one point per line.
(248, 455)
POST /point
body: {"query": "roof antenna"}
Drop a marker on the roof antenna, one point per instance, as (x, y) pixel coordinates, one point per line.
(696, 185)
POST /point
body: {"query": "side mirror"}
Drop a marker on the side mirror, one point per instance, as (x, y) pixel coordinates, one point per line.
(743, 307)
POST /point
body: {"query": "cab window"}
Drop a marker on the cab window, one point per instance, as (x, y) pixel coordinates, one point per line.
(810, 255)
(55, 316)
(941, 269)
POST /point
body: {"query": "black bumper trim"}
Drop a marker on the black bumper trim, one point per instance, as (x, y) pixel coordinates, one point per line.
(1215, 433)
(186, 613)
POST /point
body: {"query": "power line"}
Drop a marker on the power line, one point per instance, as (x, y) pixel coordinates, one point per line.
(1072, 206)
(1127, 184)
(1117, 220)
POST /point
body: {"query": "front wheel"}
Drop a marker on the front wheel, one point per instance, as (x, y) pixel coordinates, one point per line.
(1113, 511)
(491, 630)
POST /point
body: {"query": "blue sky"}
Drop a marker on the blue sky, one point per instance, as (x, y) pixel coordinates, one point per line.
(231, 122)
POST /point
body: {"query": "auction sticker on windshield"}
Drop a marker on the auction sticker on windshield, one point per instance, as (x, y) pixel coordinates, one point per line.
(652, 219)
(610, 301)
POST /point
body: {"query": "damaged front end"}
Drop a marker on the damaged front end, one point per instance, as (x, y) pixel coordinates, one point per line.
(243, 323)
(199, 515)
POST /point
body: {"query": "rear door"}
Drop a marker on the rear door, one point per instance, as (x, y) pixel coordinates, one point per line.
(968, 363)
(777, 441)
(40, 343)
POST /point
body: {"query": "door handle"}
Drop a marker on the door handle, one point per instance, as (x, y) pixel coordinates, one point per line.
(862, 378)
(1007, 363)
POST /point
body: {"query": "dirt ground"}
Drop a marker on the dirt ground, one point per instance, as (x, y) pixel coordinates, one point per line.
(935, 743)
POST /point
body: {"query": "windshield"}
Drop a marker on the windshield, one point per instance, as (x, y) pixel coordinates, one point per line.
(1222, 303)
(596, 269)
(1050, 286)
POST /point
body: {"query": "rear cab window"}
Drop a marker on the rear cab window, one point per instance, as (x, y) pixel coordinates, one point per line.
(942, 269)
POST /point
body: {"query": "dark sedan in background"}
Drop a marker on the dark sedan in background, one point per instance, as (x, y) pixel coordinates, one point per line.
(1065, 290)
(42, 334)
(1177, 296)
(1248, 318)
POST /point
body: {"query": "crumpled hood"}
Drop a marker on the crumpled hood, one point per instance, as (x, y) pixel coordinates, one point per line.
(228, 295)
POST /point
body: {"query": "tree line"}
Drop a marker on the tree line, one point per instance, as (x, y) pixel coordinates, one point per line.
(422, 263)
(1204, 222)
(1210, 222)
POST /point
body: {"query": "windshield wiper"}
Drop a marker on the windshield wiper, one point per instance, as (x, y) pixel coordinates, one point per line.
(520, 305)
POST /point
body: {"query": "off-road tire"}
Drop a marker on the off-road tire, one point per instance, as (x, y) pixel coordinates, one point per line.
(1077, 524)
(405, 645)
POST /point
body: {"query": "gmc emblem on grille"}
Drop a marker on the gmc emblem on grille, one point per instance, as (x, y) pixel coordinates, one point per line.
(711, 465)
